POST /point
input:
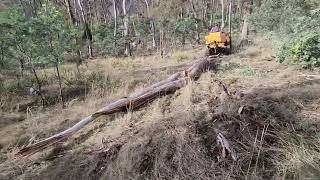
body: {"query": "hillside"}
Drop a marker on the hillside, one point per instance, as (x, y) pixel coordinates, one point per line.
(155, 89)
(268, 112)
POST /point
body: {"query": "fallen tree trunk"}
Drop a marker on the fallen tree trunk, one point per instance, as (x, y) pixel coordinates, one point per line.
(132, 102)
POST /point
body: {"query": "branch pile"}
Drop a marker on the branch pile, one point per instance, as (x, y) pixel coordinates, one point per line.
(132, 102)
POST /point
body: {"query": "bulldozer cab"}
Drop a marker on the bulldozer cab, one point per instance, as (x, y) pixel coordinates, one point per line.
(218, 42)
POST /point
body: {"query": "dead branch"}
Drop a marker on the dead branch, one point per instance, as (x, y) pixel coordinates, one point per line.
(311, 77)
(132, 102)
(224, 143)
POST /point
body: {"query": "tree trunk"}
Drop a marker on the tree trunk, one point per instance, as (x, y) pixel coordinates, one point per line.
(2, 56)
(230, 28)
(212, 10)
(78, 68)
(240, 12)
(244, 31)
(197, 22)
(197, 34)
(183, 41)
(76, 13)
(97, 14)
(161, 42)
(226, 10)
(217, 6)
(205, 12)
(126, 28)
(72, 21)
(87, 35)
(34, 7)
(181, 12)
(89, 14)
(193, 9)
(23, 8)
(134, 33)
(104, 11)
(245, 27)
(153, 29)
(81, 11)
(21, 62)
(34, 72)
(222, 14)
(60, 83)
(229, 18)
(152, 25)
(90, 51)
(71, 17)
(250, 6)
(115, 25)
(129, 103)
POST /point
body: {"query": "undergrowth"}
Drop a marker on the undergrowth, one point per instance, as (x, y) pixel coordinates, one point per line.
(263, 128)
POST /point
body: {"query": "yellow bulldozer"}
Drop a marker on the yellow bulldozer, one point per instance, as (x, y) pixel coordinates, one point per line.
(218, 43)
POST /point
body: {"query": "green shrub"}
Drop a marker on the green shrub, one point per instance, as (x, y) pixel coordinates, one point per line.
(248, 71)
(279, 15)
(303, 50)
(306, 49)
(104, 41)
(283, 51)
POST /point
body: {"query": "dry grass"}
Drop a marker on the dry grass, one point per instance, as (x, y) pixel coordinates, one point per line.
(130, 73)
(302, 159)
(168, 140)
(175, 136)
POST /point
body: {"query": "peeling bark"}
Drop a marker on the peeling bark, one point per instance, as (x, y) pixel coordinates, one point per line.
(132, 102)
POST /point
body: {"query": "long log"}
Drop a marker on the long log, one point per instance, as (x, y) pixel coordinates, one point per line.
(132, 102)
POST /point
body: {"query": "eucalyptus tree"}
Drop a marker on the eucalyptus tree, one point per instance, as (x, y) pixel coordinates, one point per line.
(57, 39)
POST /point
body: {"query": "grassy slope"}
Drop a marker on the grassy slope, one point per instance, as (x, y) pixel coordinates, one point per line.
(275, 135)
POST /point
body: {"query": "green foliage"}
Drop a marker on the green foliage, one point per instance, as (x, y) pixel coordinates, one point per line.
(308, 22)
(182, 28)
(141, 26)
(20, 35)
(12, 86)
(283, 52)
(307, 48)
(32, 43)
(303, 50)
(9, 29)
(296, 25)
(279, 15)
(55, 36)
(216, 19)
(105, 41)
(186, 24)
(37, 41)
(249, 71)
